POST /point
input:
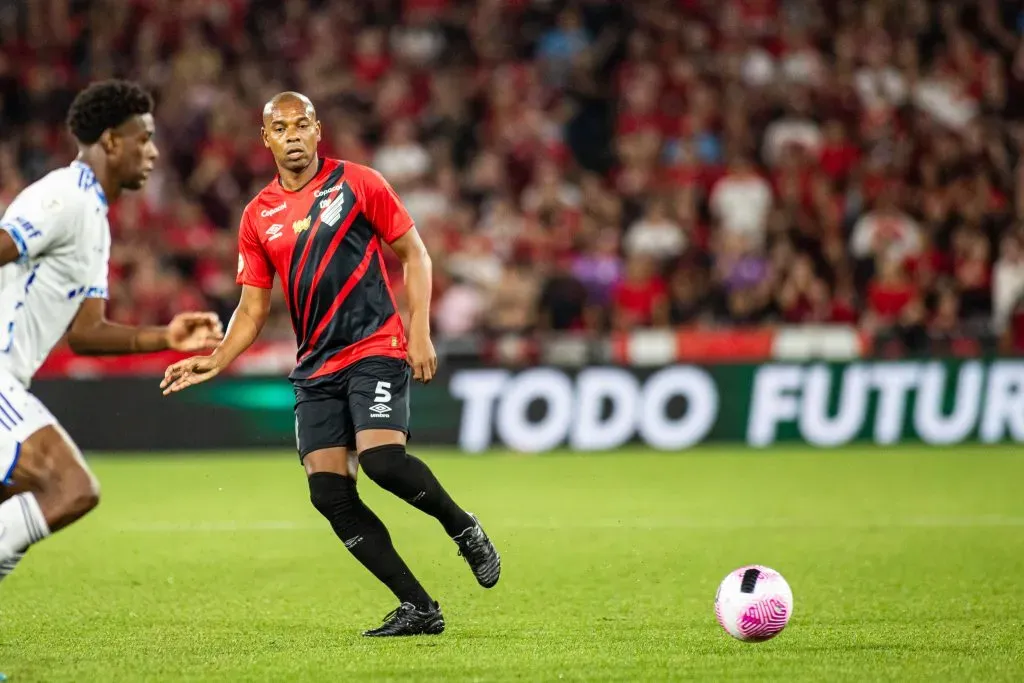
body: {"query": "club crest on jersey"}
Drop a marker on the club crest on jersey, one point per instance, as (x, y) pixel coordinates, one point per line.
(299, 226)
(332, 209)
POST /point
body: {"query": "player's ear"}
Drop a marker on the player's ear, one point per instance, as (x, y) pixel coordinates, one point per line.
(263, 136)
(319, 131)
(108, 141)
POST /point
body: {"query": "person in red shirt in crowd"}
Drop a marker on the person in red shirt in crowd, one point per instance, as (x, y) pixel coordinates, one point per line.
(803, 296)
(1013, 338)
(320, 225)
(641, 298)
(843, 307)
(839, 155)
(890, 292)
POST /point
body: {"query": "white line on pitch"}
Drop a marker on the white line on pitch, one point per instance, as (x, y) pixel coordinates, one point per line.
(625, 523)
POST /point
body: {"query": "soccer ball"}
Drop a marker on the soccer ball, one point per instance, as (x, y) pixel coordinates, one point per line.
(754, 603)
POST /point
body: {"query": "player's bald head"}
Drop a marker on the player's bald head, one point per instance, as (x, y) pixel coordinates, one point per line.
(288, 101)
(291, 131)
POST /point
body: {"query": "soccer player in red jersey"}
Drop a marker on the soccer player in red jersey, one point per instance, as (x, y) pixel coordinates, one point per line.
(321, 225)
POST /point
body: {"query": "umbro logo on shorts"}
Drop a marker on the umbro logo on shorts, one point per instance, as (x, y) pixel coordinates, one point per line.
(380, 410)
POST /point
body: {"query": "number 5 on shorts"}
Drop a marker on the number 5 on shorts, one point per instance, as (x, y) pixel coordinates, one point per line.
(383, 394)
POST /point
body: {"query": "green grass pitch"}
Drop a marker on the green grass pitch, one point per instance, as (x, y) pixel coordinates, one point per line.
(906, 564)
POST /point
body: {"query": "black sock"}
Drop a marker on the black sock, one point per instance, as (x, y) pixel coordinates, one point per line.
(365, 536)
(410, 479)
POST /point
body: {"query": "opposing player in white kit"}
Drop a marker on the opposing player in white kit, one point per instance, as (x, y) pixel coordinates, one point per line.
(54, 248)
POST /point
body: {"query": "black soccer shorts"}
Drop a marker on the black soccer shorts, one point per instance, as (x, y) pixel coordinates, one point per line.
(372, 393)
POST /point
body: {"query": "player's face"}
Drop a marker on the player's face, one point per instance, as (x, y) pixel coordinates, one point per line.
(291, 132)
(134, 152)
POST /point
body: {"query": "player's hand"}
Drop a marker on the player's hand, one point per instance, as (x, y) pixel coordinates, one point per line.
(189, 372)
(422, 358)
(194, 331)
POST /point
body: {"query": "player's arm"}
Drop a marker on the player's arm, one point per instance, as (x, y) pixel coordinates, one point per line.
(418, 272)
(245, 326)
(9, 252)
(395, 226)
(28, 230)
(31, 227)
(256, 275)
(91, 334)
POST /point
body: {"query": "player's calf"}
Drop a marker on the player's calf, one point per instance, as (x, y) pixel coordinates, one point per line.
(335, 496)
(57, 489)
(409, 478)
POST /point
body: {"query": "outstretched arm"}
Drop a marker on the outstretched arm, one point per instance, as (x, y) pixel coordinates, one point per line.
(245, 326)
(91, 334)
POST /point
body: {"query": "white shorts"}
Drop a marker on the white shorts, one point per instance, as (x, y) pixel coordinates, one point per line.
(21, 416)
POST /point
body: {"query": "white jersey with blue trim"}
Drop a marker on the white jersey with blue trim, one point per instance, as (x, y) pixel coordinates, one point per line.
(59, 224)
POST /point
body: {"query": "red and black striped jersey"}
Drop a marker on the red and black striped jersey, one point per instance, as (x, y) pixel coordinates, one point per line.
(324, 241)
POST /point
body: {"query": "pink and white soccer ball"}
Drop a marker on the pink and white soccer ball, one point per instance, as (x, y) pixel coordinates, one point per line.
(754, 603)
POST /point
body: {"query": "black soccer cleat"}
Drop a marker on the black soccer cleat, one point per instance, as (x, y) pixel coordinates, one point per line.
(479, 552)
(406, 620)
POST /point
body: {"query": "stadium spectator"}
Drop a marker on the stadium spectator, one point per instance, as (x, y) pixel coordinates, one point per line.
(741, 200)
(564, 304)
(512, 305)
(1007, 281)
(549, 145)
(891, 292)
(640, 298)
(655, 234)
(885, 232)
(599, 267)
(401, 158)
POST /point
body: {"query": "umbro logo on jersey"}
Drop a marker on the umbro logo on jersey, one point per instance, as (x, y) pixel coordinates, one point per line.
(332, 210)
(277, 209)
(274, 231)
(329, 190)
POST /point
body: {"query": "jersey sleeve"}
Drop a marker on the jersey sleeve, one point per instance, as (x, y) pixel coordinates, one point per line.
(254, 267)
(38, 222)
(383, 208)
(98, 288)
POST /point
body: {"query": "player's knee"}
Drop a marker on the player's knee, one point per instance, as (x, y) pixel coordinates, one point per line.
(381, 463)
(83, 493)
(69, 485)
(332, 494)
(52, 468)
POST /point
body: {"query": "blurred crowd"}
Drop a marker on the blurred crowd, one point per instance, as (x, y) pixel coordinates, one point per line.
(584, 165)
